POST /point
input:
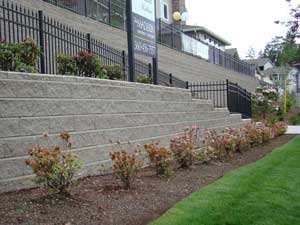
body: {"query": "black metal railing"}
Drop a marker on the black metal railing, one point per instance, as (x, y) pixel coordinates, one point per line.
(53, 38)
(112, 12)
(224, 94)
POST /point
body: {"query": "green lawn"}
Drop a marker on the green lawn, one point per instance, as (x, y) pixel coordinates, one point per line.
(266, 192)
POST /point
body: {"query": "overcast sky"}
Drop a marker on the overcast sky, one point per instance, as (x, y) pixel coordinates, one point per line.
(243, 23)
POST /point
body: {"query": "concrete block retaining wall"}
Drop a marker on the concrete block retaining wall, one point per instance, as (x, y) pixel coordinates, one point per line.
(94, 111)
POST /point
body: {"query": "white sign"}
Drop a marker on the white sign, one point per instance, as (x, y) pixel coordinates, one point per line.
(144, 8)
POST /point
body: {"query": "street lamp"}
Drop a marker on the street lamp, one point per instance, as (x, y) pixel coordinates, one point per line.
(178, 17)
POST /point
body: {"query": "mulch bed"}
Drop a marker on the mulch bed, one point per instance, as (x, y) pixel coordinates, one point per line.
(100, 200)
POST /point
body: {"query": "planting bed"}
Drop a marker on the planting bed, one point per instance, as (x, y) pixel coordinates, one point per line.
(99, 200)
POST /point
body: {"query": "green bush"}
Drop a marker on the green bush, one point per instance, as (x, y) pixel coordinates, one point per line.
(272, 121)
(290, 101)
(19, 56)
(113, 72)
(24, 68)
(281, 118)
(83, 64)
(54, 167)
(88, 64)
(66, 65)
(295, 120)
(8, 56)
(141, 78)
(29, 52)
(264, 101)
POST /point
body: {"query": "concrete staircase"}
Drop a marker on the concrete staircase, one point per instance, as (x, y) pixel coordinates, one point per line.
(94, 112)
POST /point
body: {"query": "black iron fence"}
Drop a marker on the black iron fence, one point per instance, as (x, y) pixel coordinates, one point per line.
(112, 12)
(53, 38)
(224, 94)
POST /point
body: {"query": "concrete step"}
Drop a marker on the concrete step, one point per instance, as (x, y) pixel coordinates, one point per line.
(89, 143)
(99, 155)
(36, 107)
(4, 75)
(25, 126)
(15, 88)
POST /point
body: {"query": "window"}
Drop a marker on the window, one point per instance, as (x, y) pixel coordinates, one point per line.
(164, 11)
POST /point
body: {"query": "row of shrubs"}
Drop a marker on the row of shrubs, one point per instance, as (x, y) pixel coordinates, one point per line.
(23, 57)
(55, 168)
(219, 146)
(89, 65)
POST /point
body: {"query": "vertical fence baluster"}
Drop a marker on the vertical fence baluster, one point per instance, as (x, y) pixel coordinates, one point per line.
(42, 40)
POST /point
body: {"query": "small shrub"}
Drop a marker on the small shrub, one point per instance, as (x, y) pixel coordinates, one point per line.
(66, 65)
(125, 166)
(53, 168)
(272, 120)
(20, 57)
(264, 101)
(290, 101)
(239, 139)
(278, 129)
(29, 52)
(160, 157)
(24, 68)
(281, 118)
(253, 135)
(184, 146)
(266, 133)
(144, 79)
(295, 120)
(8, 56)
(113, 72)
(214, 148)
(88, 64)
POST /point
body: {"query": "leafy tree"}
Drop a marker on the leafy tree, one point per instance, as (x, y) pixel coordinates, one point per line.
(273, 50)
(289, 53)
(251, 54)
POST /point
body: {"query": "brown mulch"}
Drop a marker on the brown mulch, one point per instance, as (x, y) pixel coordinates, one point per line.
(99, 200)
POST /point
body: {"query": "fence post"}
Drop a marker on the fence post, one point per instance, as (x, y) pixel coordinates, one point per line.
(214, 55)
(42, 42)
(170, 79)
(172, 35)
(227, 94)
(250, 113)
(109, 12)
(124, 63)
(159, 30)
(89, 42)
(85, 8)
(187, 84)
(155, 71)
(150, 70)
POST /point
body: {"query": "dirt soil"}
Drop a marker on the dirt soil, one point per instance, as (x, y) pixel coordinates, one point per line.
(100, 200)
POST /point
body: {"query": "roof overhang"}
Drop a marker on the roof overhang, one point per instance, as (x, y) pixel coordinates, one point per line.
(209, 32)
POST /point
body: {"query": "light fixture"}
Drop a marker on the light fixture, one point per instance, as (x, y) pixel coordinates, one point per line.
(177, 16)
(185, 16)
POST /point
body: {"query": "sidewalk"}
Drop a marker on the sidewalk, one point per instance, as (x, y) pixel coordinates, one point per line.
(293, 130)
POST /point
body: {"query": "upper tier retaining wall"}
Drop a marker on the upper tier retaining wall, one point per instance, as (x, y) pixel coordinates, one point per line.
(181, 65)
